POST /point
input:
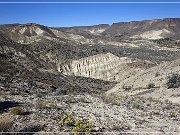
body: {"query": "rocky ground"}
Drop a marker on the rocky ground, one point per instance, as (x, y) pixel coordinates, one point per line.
(84, 80)
(109, 113)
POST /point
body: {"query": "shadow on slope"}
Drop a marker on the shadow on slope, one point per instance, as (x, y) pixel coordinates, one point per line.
(5, 105)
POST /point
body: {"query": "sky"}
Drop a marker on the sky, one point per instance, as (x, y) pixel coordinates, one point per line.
(63, 15)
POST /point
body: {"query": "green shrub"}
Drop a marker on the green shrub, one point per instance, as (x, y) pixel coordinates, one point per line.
(66, 120)
(173, 81)
(83, 125)
(76, 124)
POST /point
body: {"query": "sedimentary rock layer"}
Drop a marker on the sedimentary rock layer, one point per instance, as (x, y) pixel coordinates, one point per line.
(101, 66)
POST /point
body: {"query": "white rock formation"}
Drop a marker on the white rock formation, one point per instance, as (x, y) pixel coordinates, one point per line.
(96, 31)
(153, 34)
(101, 66)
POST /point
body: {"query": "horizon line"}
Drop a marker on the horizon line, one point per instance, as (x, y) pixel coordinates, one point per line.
(19, 23)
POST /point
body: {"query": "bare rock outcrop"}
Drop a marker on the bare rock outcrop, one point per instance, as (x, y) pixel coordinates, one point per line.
(162, 28)
(100, 66)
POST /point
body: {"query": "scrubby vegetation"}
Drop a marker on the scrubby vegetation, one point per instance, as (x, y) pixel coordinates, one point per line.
(162, 40)
(76, 125)
(32, 128)
(30, 81)
(150, 85)
(118, 125)
(5, 123)
(66, 120)
(173, 113)
(17, 111)
(83, 125)
(127, 87)
(173, 80)
(45, 104)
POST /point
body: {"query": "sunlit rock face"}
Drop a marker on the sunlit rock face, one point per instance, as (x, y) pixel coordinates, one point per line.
(147, 29)
(95, 30)
(153, 34)
(27, 33)
(101, 66)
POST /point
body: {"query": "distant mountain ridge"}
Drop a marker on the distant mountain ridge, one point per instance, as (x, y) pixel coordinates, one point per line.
(146, 29)
(167, 27)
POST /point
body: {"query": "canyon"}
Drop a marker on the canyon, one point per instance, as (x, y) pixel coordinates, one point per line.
(124, 77)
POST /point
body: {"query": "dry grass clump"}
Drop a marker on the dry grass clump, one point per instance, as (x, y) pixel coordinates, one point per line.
(17, 111)
(5, 124)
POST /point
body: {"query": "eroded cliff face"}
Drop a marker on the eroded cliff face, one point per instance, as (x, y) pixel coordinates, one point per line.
(95, 30)
(102, 66)
(147, 29)
(29, 33)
